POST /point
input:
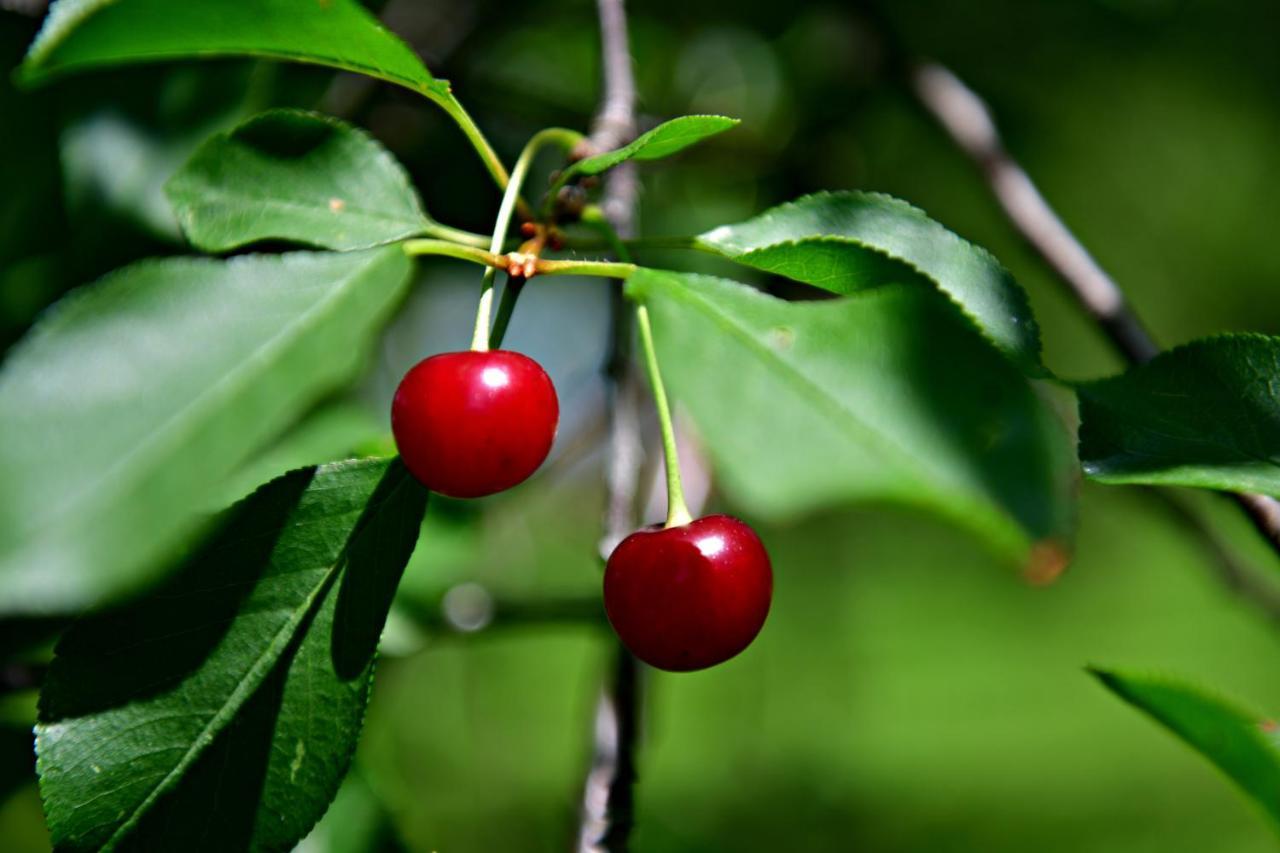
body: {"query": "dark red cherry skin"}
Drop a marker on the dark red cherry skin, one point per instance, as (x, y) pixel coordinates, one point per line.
(689, 597)
(469, 424)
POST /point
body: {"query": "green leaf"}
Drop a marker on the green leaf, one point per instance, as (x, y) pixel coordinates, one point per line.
(292, 175)
(221, 712)
(81, 34)
(136, 396)
(335, 431)
(846, 242)
(664, 140)
(886, 395)
(1206, 414)
(1243, 745)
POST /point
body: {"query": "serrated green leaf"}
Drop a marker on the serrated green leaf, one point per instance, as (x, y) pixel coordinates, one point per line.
(666, 139)
(1206, 414)
(136, 396)
(221, 712)
(299, 176)
(1243, 745)
(81, 34)
(887, 395)
(849, 241)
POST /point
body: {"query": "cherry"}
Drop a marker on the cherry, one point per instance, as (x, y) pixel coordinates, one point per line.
(691, 596)
(473, 423)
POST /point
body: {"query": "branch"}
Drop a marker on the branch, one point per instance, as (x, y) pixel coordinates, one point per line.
(969, 123)
(1232, 572)
(607, 798)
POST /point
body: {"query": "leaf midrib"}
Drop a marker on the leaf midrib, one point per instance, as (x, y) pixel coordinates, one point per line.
(244, 689)
(262, 665)
(921, 473)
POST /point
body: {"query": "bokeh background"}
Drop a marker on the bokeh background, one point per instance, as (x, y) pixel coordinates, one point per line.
(906, 694)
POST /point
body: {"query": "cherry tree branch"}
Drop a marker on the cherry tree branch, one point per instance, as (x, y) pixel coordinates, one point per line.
(969, 123)
(607, 798)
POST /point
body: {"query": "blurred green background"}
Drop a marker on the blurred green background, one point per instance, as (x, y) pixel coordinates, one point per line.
(906, 694)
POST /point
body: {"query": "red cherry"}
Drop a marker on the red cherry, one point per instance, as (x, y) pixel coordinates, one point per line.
(471, 423)
(689, 597)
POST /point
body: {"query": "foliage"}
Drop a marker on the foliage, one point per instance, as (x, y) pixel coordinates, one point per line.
(228, 660)
(290, 175)
(1241, 744)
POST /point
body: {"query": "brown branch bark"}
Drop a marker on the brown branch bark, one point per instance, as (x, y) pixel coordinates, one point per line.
(969, 123)
(607, 810)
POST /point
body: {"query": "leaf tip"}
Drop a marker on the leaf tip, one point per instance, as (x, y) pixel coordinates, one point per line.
(1048, 559)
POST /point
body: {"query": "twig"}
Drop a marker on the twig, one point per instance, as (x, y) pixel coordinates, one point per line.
(969, 123)
(615, 123)
(607, 797)
(470, 608)
(1233, 573)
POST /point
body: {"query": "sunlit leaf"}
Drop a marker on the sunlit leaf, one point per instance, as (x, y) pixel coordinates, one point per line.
(886, 395)
(292, 175)
(666, 139)
(81, 34)
(131, 400)
(849, 241)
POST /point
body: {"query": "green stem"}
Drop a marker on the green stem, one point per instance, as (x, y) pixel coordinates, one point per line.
(594, 217)
(472, 131)
(506, 307)
(454, 235)
(444, 248)
(454, 250)
(606, 269)
(555, 135)
(677, 511)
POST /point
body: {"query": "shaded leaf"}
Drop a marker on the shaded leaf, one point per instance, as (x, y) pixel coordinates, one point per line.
(664, 140)
(299, 176)
(887, 395)
(221, 713)
(80, 34)
(135, 396)
(1206, 414)
(849, 241)
(1241, 744)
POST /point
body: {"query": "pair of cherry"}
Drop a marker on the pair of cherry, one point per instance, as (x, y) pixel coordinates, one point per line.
(469, 424)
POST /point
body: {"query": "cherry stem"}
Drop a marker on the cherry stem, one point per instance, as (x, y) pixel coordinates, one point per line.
(450, 234)
(567, 139)
(677, 510)
(453, 107)
(506, 307)
(447, 249)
